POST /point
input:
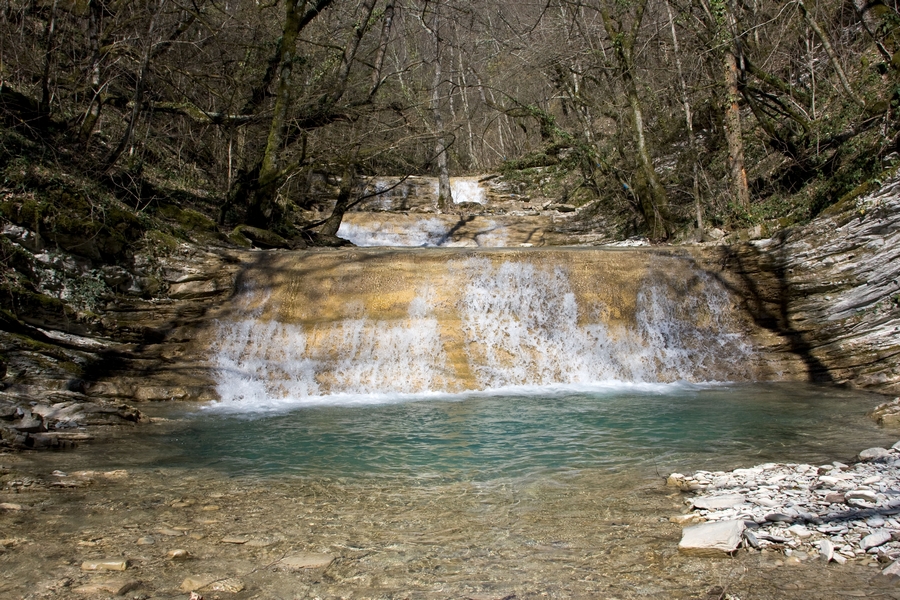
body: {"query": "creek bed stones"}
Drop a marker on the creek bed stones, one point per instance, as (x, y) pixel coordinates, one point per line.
(836, 512)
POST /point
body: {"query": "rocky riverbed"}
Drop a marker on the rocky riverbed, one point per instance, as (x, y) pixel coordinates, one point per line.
(107, 522)
(832, 512)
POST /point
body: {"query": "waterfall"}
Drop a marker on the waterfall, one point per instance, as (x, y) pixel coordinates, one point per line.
(439, 322)
(467, 189)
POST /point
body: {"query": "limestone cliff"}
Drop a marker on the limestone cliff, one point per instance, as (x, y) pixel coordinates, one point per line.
(830, 290)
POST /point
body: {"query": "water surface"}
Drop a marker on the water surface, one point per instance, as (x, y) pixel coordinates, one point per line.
(526, 433)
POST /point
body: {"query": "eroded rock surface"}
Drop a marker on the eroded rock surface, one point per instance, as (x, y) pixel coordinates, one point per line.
(830, 291)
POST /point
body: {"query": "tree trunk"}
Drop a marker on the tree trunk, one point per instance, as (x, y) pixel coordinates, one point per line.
(92, 115)
(689, 125)
(49, 34)
(733, 134)
(382, 49)
(138, 100)
(262, 205)
(832, 56)
(445, 197)
(872, 23)
(345, 196)
(725, 46)
(655, 206)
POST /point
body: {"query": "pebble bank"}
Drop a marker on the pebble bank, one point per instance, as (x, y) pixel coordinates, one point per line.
(832, 512)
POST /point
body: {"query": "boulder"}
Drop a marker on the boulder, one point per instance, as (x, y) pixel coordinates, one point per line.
(719, 538)
(874, 454)
(861, 496)
(29, 423)
(893, 570)
(873, 540)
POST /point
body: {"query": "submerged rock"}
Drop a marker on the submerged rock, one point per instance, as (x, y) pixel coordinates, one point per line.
(305, 560)
(116, 587)
(104, 565)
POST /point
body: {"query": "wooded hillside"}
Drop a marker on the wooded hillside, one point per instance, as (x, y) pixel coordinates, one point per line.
(666, 115)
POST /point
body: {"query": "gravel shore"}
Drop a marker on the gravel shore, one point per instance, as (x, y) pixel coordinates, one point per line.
(833, 512)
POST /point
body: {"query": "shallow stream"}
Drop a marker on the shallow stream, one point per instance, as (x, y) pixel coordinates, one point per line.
(557, 494)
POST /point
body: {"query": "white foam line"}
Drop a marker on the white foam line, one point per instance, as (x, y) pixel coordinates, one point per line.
(267, 406)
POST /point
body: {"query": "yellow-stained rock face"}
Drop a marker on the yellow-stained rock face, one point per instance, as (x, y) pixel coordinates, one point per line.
(366, 321)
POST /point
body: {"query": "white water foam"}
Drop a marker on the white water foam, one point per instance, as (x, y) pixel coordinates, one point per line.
(264, 405)
(522, 329)
(467, 190)
(424, 233)
(463, 189)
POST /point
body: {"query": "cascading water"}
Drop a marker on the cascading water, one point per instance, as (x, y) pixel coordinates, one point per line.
(260, 361)
(467, 190)
(499, 365)
(523, 327)
(483, 322)
(407, 226)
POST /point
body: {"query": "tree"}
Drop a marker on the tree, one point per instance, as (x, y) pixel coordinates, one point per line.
(725, 42)
(655, 203)
(261, 202)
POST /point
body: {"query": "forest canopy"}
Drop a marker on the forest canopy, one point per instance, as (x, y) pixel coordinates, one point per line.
(671, 114)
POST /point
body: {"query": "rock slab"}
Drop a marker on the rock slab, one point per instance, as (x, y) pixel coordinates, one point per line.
(116, 587)
(104, 565)
(720, 538)
(718, 502)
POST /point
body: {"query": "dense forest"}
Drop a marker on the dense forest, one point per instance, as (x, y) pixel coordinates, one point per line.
(670, 115)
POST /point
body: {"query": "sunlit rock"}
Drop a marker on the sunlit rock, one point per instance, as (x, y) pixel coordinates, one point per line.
(873, 454)
(712, 539)
(876, 539)
(718, 502)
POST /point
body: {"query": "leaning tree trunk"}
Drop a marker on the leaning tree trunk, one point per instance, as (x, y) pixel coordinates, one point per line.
(262, 201)
(345, 198)
(138, 100)
(655, 204)
(832, 55)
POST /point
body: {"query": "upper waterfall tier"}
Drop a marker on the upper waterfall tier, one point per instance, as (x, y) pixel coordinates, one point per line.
(303, 326)
(485, 212)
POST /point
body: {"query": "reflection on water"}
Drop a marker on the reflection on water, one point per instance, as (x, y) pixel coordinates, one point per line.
(497, 436)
